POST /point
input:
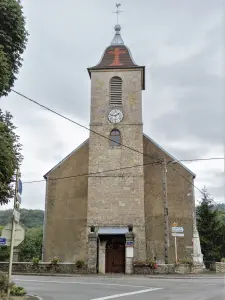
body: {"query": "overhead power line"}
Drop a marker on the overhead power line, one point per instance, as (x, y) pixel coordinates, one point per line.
(198, 159)
(89, 129)
(94, 173)
(118, 169)
(158, 160)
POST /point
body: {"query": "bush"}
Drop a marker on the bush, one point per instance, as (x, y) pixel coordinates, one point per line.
(17, 291)
(152, 264)
(223, 260)
(185, 261)
(55, 260)
(35, 261)
(79, 264)
(3, 282)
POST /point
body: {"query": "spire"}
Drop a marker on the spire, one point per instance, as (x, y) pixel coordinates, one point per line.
(117, 55)
(117, 40)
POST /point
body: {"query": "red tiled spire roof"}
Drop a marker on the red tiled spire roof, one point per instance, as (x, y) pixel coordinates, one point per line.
(116, 56)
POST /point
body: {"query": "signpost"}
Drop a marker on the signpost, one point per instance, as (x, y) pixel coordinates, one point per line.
(19, 234)
(177, 232)
(12, 232)
(16, 215)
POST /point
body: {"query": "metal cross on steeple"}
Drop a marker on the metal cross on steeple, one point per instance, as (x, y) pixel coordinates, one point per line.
(117, 12)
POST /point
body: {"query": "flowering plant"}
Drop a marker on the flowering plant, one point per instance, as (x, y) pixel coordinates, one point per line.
(55, 260)
(153, 264)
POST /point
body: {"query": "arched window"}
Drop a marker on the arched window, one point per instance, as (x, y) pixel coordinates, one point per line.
(115, 138)
(115, 91)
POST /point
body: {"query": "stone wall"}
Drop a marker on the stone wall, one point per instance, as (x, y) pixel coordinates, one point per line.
(162, 269)
(168, 269)
(69, 268)
(43, 268)
(180, 205)
(220, 267)
(66, 208)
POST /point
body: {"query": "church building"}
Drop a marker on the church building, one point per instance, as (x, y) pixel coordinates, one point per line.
(112, 202)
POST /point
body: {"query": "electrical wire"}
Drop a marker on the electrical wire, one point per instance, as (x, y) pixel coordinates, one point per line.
(159, 160)
(89, 129)
(94, 173)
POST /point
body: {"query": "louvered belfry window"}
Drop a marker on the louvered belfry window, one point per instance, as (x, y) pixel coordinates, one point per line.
(115, 91)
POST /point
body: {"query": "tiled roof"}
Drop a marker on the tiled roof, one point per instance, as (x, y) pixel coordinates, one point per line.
(116, 56)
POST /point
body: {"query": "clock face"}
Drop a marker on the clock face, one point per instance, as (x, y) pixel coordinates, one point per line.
(115, 116)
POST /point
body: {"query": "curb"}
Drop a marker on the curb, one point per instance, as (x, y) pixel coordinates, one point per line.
(186, 277)
(35, 296)
(124, 275)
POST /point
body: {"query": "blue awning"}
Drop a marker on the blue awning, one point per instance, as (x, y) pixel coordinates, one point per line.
(112, 230)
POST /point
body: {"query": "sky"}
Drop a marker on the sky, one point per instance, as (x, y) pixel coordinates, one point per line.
(181, 43)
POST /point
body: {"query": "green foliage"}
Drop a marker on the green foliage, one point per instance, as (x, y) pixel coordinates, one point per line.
(152, 264)
(223, 259)
(210, 229)
(79, 264)
(10, 156)
(13, 39)
(4, 253)
(32, 244)
(35, 261)
(185, 261)
(28, 217)
(3, 282)
(17, 290)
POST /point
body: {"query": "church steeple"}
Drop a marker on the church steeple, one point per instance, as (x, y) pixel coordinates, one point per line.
(117, 40)
(117, 56)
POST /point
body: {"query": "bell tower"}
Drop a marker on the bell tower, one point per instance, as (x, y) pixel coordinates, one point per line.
(116, 198)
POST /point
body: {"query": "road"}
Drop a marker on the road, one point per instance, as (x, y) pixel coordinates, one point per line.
(122, 287)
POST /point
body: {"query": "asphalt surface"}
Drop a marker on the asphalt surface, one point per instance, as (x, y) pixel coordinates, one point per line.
(123, 287)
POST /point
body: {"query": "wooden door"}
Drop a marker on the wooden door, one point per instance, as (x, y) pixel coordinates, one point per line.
(115, 257)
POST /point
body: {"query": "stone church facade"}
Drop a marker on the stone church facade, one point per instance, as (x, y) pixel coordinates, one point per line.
(105, 201)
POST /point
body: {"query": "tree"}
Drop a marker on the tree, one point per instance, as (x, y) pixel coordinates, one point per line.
(209, 228)
(32, 244)
(10, 156)
(28, 217)
(13, 39)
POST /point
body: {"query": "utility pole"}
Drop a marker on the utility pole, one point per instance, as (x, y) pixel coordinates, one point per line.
(12, 237)
(166, 220)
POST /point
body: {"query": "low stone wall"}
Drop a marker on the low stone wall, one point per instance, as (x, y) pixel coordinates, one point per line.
(146, 270)
(29, 268)
(220, 267)
(70, 268)
(168, 269)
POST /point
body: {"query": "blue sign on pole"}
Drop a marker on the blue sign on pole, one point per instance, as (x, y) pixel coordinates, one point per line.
(20, 186)
(2, 241)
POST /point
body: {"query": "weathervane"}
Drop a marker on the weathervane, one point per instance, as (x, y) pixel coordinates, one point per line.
(117, 11)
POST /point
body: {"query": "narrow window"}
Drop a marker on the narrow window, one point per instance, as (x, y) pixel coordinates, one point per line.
(115, 138)
(115, 91)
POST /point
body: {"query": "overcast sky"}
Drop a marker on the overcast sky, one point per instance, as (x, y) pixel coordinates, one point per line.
(180, 42)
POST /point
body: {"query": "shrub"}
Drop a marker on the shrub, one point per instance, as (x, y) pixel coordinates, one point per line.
(55, 260)
(185, 261)
(35, 261)
(79, 264)
(223, 260)
(152, 264)
(3, 282)
(17, 290)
